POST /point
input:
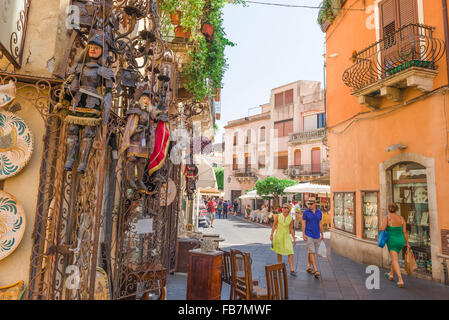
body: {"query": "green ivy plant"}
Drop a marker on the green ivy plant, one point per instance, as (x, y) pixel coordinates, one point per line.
(204, 74)
(326, 13)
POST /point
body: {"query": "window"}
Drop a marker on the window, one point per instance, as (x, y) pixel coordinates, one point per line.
(297, 157)
(234, 162)
(344, 214)
(282, 160)
(262, 134)
(235, 138)
(321, 120)
(248, 136)
(261, 160)
(370, 214)
(395, 14)
(283, 98)
(315, 121)
(284, 127)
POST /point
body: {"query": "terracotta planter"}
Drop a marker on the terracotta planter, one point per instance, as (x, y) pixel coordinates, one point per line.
(325, 26)
(176, 18)
(208, 30)
(180, 32)
(217, 116)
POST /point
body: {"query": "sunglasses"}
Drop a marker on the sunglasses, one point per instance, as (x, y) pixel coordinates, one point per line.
(310, 203)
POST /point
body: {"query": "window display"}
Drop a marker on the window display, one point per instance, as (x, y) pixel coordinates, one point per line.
(370, 214)
(344, 211)
(410, 194)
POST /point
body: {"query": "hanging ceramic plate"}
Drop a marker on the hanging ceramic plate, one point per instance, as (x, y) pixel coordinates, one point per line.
(102, 290)
(12, 224)
(16, 144)
(170, 193)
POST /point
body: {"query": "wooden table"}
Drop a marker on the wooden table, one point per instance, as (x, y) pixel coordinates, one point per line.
(204, 277)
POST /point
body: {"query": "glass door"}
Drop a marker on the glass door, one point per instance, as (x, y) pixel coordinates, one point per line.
(410, 194)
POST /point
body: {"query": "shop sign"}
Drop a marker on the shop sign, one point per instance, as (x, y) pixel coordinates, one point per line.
(144, 226)
(445, 241)
(13, 23)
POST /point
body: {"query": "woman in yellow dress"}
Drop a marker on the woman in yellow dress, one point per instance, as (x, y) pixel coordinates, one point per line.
(282, 240)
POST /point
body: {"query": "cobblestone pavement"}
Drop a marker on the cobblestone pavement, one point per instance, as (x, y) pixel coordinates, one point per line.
(341, 278)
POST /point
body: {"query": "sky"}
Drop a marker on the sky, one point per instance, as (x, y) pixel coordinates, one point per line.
(275, 46)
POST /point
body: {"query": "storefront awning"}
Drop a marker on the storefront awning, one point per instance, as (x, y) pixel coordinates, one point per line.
(308, 188)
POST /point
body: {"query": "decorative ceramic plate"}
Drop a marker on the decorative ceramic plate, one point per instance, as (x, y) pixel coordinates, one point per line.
(12, 224)
(16, 144)
(7, 93)
(171, 193)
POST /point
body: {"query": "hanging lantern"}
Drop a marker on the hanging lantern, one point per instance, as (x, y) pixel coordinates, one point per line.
(208, 30)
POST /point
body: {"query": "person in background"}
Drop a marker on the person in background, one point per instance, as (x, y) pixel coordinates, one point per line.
(212, 205)
(236, 206)
(248, 211)
(282, 240)
(293, 213)
(396, 226)
(225, 209)
(231, 207)
(220, 208)
(298, 214)
(312, 227)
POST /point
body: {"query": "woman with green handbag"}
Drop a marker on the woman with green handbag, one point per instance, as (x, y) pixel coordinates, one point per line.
(396, 227)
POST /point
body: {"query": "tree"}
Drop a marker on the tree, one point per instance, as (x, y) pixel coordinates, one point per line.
(219, 175)
(274, 186)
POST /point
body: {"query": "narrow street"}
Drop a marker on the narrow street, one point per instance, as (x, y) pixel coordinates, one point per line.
(341, 278)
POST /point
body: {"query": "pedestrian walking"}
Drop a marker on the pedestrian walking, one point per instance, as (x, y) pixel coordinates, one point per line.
(212, 205)
(312, 228)
(293, 213)
(220, 208)
(225, 209)
(282, 240)
(395, 225)
(236, 205)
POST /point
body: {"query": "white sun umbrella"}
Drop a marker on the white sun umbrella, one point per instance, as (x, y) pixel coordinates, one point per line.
(307, 187)
(250, 195)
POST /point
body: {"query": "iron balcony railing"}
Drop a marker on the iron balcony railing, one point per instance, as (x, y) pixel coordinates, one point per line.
(307, 169)
(410, 46)
(307, 135)
(244, 172)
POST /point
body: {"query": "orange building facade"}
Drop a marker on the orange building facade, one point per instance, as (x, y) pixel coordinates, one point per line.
(387, 82)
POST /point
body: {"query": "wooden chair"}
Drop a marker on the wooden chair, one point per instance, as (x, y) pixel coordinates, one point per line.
(243, 284)
(226, 275)
(277, 284)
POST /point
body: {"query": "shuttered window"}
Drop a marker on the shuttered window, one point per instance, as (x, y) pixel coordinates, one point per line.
(262, 134)
(395, 14)
(282, 162)
(407, 12)
(289, 96)
(279, 99)
(297, 157)
(284, 128)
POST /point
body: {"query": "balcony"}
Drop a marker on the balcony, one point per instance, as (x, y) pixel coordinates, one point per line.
(244, 174)
(307, 170)
(306, 136)
(405, 58)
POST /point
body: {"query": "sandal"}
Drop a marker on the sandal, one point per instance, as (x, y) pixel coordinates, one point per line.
(310, 270)
(387, 275)
(293, 273)
(400, 285)
(316, 274)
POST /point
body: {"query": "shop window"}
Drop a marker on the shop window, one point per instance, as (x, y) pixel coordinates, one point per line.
(370, 214)
(409, 181)
(344, 213)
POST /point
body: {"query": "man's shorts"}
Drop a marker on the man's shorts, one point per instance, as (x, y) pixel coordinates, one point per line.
(212, 215)
(313, 244)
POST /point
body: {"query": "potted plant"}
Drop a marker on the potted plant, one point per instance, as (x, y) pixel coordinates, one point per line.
(325, 15)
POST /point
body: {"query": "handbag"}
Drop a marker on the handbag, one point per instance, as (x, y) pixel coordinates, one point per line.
(383, 235)
(322, 250)
(409, 263)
